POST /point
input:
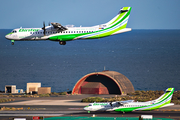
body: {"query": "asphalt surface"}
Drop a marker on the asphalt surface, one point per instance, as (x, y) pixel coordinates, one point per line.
(71, 106)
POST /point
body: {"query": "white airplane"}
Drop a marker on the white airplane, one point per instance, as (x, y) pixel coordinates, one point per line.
(130, 105)
(60, 33)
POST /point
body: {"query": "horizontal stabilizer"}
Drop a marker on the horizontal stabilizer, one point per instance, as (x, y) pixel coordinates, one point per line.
(122, 31)
(170, 104)
(125, 102)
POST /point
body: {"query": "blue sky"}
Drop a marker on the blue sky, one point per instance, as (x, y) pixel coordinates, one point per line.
(145, 14)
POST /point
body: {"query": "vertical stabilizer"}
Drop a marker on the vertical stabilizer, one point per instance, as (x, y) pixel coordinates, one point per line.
(167, 95)
(163, 101)
(121, 19)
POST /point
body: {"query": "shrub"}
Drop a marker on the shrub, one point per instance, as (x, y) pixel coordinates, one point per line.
(63, 93)
(54, 93)
(92, 99)
(140, 96)
(44, 95)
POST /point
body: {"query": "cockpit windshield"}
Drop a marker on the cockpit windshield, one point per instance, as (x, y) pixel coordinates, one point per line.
(90, 104)
(14, 31)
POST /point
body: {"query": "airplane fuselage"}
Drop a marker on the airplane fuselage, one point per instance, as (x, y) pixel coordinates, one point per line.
(129, 105)
(60, 33)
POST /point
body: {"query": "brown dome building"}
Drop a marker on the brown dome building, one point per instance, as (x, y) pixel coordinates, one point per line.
(105, 82)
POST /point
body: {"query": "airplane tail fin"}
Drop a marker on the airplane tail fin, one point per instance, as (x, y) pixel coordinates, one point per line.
(166, 97)
(163, 101)
(121, 19)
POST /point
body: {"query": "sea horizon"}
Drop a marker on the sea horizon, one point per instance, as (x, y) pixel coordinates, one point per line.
(149, 58)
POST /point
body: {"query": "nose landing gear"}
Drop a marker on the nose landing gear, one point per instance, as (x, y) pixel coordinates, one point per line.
(12, 42)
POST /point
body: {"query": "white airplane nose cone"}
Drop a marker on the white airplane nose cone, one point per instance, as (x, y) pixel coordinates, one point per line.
(85, 108)
(6, 36)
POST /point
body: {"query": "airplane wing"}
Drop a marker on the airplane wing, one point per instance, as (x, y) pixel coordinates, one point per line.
(126, 102)
(58, 26)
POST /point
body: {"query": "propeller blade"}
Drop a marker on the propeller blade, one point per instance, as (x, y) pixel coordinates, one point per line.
(44, 28)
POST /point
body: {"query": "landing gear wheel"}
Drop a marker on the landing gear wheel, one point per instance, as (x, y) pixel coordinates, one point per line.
(12, 42)
(62, 42)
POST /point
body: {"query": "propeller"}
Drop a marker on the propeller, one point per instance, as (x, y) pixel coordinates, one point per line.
(44, 28)
(50, 25)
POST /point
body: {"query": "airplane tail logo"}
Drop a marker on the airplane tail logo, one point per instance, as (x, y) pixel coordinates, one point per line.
(121, 19)
(163, 101)
(166, 96)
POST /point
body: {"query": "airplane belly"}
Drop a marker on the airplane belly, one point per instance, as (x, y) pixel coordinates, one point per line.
(63, 37)
(126, 109)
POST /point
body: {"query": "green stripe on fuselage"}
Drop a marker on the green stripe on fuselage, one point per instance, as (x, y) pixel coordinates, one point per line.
(68, 37)
(128, 109)
(112, 31)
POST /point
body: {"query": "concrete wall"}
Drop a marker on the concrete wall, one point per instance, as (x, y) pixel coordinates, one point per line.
(32, 87)
(19, 90)
(12, 88)
(44, 90)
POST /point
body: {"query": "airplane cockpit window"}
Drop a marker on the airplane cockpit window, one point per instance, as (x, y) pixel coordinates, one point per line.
(90, 104)
(14, 31)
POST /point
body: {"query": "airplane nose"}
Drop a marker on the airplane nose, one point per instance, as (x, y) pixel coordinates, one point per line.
(6, 36)
(85, 108)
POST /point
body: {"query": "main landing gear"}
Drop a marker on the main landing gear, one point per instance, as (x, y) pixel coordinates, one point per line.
(62, 42)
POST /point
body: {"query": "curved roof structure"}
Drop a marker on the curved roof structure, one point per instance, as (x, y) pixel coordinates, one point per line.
(108, 82)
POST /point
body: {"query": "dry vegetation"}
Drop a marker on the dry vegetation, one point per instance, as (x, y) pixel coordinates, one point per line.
(11, 108)
(138, 95)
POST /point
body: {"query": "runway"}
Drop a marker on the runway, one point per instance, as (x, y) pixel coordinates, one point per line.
(71, 107)
(59, 110)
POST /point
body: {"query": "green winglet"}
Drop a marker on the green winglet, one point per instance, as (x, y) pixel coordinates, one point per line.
(12, 40)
